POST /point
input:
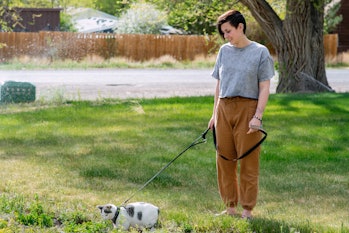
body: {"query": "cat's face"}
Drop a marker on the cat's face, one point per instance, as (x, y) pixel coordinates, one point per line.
(107, 211)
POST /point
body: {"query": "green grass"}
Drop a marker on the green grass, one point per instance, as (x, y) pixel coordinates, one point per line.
(59, 161)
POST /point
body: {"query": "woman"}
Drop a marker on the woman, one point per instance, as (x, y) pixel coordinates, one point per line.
(243, 71)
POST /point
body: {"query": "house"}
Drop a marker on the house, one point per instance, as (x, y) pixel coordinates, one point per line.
(343, 28)
(37, 19)
(88, 20)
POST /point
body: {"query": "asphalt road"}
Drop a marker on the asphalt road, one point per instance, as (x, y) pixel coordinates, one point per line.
(93, 84)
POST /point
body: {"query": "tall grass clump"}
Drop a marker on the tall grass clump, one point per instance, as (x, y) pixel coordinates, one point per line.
(163, 62)
(60, 161)
(341, 60)
(97, 62)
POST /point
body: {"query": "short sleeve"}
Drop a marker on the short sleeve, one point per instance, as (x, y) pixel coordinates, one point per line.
(266, 67)
(215, 72)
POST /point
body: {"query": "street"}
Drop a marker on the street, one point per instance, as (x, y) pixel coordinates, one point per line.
(92, 84)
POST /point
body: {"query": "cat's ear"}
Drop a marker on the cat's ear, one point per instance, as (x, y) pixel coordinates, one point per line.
(100, 207)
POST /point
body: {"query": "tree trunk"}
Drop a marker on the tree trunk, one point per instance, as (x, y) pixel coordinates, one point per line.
(298, 41)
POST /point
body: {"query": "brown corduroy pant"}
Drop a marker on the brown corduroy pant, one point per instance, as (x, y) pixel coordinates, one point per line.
(232, 123)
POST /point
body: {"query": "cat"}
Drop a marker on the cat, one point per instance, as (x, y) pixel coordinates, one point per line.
(139, 215)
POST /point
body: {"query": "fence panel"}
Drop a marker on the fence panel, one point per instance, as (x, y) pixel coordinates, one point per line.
(331, 45)
(76, 46)
(138, 47)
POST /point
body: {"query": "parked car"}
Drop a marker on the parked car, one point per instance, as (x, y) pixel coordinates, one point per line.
(169, 30)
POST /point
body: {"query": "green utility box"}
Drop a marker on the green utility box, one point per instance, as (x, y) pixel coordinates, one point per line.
(17, 92)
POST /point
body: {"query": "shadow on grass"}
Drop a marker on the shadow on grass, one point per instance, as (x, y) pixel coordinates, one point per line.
(311, 117)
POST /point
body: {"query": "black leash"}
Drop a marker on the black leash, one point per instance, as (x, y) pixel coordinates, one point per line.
(199, 140)
(248, 151)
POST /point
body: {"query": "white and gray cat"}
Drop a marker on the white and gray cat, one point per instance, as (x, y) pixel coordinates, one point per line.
(139, 215)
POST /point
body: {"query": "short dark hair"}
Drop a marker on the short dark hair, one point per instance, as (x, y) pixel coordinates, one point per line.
(233, 17)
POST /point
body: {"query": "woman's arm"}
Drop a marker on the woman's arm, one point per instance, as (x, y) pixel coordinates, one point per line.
(256, 121)
(212, 120)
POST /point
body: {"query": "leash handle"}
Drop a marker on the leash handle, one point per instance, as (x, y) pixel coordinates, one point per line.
(255, 146)
(248, 151)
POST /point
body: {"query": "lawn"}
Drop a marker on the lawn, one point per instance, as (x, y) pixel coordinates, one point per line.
(59, 161)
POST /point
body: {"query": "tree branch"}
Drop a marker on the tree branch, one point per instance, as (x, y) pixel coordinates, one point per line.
(267, 19)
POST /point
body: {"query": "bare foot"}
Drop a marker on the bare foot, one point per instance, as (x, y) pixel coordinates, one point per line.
(246, 214)
(231, 211)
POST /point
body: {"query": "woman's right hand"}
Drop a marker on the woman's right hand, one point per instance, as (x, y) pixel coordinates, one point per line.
(211, 123)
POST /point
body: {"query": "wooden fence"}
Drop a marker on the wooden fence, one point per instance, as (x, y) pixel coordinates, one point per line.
(138, 47)
(331, 45)
(76, 46)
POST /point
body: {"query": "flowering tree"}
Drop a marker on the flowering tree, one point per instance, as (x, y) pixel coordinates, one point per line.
(142, 18)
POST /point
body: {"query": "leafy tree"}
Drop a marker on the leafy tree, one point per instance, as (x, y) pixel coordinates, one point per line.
(195, 17)
(113, 7)
(199, 17)
(332, 19)
(8, 17)
(142, 18)
(31, 3)
(75, 3)
(3, 18)
(66, 24)
(298, 41)
(294, 27)
(3, 24)
(49, 3)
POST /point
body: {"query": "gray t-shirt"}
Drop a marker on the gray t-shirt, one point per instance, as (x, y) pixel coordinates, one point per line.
(241, 69)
